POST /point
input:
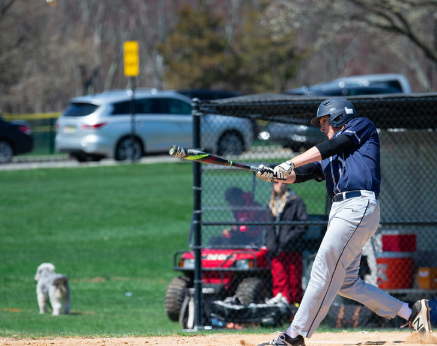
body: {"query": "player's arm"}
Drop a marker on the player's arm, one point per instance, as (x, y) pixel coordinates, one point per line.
(317, 153)
(335, 146)
(286, 171)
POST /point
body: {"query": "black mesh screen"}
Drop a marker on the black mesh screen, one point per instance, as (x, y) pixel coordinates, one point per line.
(273, 128)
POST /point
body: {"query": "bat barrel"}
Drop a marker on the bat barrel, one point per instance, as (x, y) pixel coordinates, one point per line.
(200, 156)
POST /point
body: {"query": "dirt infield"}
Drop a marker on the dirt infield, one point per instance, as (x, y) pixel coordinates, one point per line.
(325, 339)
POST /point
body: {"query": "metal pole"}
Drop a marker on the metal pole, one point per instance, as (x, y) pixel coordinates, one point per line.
(132, 113)
(197, 217)
(52, 135)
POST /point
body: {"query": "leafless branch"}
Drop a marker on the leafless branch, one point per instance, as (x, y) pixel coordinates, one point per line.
(6, 8)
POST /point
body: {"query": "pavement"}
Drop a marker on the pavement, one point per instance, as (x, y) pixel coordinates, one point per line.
(61, 162)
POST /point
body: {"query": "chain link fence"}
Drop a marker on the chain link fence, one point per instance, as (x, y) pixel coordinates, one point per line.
(258, 248)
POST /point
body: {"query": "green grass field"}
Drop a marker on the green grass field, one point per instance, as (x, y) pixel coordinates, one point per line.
(112, 230)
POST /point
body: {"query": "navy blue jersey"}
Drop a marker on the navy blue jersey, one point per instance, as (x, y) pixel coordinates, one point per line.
(356, 168)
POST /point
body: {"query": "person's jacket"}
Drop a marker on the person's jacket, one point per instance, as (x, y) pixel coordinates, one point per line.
(286, 237)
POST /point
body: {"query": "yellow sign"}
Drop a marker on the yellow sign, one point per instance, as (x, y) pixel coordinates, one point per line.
(131, 59)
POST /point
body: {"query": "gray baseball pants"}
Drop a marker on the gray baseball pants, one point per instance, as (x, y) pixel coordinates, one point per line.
(335, 270)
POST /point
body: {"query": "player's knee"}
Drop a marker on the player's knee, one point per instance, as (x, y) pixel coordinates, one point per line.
(350, 284)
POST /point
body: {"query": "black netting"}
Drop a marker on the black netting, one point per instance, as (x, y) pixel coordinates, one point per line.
(234, 220)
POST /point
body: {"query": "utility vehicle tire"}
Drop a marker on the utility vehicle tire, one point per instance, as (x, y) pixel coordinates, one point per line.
(174, 296)
(250, 290)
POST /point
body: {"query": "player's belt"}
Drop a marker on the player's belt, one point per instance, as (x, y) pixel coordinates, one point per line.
(351, 194)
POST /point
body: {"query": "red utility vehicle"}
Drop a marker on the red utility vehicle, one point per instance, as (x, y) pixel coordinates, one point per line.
(243, 272)
(225, 272)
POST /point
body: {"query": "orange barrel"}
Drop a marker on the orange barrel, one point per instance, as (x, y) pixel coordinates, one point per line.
(397, 241)
(395, 270)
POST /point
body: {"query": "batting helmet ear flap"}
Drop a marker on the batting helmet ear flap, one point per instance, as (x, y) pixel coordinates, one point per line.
(338, 119)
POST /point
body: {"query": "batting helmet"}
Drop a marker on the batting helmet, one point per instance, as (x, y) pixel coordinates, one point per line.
(340, 111)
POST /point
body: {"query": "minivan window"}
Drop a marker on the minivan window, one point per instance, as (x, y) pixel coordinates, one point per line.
(121, 108)
(149, 106)
(176, 106)
(79, 109)
(142, 106)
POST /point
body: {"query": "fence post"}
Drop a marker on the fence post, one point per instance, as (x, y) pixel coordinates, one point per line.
(52, 135)
(196, 113)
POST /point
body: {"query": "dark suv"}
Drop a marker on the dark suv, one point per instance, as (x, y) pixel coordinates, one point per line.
(302, 137)
(371, 84)
(334, 89)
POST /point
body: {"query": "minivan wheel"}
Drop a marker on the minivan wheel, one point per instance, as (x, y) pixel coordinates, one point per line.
(6, 152)
(230, 143)
(125, 151)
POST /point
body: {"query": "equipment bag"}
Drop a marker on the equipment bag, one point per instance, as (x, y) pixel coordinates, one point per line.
(267, 315)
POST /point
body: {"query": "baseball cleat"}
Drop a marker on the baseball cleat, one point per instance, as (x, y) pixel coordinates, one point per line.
(284, 339)
(419, 318)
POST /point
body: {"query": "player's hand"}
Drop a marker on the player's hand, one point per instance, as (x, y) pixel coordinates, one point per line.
(265, 173)
(282, 171)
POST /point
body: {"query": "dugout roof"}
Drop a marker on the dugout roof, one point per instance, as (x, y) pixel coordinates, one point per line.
(409, 111)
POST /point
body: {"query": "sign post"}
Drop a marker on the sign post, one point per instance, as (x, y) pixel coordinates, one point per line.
(131, 70)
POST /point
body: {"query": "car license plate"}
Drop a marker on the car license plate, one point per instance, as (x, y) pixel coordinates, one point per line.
(69, 129)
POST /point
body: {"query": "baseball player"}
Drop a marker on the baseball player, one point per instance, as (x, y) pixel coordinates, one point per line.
(349, 163)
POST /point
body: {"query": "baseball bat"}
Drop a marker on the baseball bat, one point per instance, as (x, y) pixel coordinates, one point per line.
(200, 156)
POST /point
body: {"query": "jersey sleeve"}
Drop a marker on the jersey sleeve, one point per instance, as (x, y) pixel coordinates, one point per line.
(359, 130)
(335, 146)
(308, 172)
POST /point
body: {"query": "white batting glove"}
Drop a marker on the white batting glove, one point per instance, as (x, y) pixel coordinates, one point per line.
(282, 171)
(265, 173)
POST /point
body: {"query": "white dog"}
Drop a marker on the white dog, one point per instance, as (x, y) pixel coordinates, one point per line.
(54, 287)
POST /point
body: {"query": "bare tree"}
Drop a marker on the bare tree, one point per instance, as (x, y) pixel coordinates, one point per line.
(50, 54)
(384, 27)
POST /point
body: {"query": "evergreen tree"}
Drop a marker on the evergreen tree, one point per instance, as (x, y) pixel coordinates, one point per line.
(261, 58)
(194, 53)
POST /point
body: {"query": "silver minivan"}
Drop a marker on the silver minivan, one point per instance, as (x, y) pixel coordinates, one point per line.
(96, 126)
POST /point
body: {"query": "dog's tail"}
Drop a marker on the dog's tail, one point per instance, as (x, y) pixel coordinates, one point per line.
(61, 284)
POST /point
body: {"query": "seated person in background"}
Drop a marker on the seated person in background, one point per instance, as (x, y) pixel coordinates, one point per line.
(283, 243)
(244, 208)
